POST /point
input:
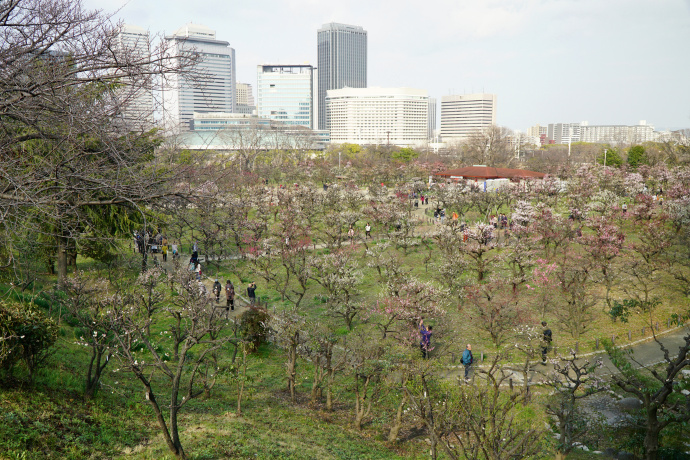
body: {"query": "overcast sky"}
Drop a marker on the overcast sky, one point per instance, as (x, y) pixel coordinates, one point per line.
(548, 61)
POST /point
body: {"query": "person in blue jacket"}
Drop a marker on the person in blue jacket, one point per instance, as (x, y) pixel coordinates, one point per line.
(425, 338)
(467, 360)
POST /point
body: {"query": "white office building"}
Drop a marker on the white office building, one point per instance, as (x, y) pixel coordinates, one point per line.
(136, 97)
(286, 93)
(380, 116)
(212, 89)
(462, 115)
(618, 134)
(564, 133)
(244, 98)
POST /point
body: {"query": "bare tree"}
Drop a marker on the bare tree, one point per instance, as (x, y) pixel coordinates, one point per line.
(475, 421)
(663, 401)
(88, 302)
(491, 147)
(70, 160)
(183, 355)
(287, 329)
(572, 379)
(339, 274)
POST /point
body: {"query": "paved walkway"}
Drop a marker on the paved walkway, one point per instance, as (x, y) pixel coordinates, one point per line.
(644, 353)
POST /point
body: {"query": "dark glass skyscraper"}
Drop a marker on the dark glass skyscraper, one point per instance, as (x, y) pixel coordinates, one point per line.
(342, 61)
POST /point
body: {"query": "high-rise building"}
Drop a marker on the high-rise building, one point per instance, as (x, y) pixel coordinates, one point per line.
(213, 87)
(538, 134)
(286, 93)
(461, 115)
(393, 116)
(432, 117)
(136, 96)
(564, 133)
(342, 61)
(244, 98)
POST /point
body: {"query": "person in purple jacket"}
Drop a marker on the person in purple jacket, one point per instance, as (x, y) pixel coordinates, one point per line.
(425, 342)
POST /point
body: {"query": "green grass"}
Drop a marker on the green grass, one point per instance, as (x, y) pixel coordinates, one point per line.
(50, 419)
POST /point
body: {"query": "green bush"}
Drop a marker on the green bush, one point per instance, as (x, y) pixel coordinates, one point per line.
(252, 326)
(26, 335)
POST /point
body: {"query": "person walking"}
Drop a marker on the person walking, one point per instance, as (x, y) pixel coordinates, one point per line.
(175, 255)
(198, 271)
(251, 293)
(547, 338)
(195, 257)
(164, 250)
(425, 338)
(467, 360)
(229, 295)
(367, 231)
(351, 235)
(217, 289)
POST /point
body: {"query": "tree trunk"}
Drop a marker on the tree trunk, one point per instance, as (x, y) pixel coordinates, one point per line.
(93, 376)
(174, 447)
(62, 260)
(397, 423)
(651, 439)
(329, 388)
(177, 450)
(363, 403)
(316, 383)
(291, 373)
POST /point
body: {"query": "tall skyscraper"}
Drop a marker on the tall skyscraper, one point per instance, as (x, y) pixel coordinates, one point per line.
(136, 96)
(463, 115)
(286, 93)
(432, 117)
(213, 89)
(244, 99)
(342, 61)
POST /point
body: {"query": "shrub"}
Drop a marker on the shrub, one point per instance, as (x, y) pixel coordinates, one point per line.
(252, 326)
(26, 335)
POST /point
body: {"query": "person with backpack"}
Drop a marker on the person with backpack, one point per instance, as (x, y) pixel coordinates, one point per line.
(467, 360)
(547, 338)
(217, 288)
(425, 342)
(229, 295)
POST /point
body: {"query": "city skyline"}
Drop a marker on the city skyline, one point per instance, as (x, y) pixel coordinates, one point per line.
(608, 62)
